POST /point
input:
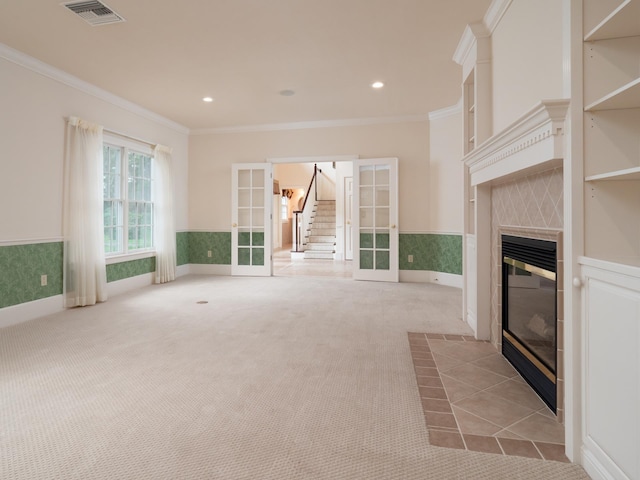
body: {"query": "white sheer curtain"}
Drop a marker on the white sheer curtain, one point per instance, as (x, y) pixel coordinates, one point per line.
(84, 270)
(165, 230)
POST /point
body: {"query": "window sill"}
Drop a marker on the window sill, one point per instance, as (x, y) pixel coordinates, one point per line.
(127, 257)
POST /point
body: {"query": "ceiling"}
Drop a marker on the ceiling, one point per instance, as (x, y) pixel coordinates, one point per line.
(168, 55)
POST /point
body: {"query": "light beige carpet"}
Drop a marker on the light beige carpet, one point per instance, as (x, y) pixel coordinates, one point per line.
(274, 378)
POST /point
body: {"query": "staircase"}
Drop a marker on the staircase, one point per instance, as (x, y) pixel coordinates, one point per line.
(321, 236)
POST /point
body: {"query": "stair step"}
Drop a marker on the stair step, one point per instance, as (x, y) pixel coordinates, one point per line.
(316, 247)
(324, 219)
(323, 225)
(321, 232)
(321, 239)
(318, 255)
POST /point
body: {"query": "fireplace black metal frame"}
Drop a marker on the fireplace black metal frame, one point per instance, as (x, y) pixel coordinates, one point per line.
(539, 257)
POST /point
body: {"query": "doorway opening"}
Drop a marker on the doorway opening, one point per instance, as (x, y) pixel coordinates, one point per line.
(324, 249)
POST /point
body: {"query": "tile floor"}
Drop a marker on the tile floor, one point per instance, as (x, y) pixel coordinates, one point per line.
(473, 399)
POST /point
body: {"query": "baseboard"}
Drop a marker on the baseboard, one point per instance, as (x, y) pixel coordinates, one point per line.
(201, 269)
(595, 469)
(127, 284)
(24, 312)
(473, 323)
(182, 270)
(427, 276)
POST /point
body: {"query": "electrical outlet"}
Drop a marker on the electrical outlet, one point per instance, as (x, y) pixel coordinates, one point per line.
(209, 253)
(43, 280)
(410, 259)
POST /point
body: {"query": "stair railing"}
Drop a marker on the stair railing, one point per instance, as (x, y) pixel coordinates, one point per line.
(302, 217)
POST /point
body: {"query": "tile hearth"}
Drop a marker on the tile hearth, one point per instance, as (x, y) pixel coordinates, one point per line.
(473, 399)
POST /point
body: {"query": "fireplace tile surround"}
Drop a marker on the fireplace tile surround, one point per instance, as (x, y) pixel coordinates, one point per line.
(516, 181)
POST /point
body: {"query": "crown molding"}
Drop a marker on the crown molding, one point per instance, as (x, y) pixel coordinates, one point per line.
(350, 122)
(469, 40)
(44, 69)
(446, 112)
(494, 14)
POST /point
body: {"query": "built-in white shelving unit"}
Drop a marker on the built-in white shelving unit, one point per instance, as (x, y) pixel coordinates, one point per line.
(612, 130)
(610, 273)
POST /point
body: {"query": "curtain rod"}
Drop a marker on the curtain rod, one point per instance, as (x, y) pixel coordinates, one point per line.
(129, 137)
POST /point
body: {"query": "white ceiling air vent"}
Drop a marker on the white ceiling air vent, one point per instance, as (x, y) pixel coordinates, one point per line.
(94, 12)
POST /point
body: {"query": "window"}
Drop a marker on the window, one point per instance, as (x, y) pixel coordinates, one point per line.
(128, 199)
(284, 208)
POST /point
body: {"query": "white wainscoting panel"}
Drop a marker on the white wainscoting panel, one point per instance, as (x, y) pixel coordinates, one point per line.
(611, 390)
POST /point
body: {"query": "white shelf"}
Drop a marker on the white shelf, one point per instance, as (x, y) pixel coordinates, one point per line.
(627, 96)
(624, 21)
(626, 174)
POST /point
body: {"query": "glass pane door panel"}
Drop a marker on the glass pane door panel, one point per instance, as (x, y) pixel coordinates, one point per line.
(382, 240)
(366, 217)
(258, 217)
(258, 197)
(244, 198)
(244, 217)
(366, 259)
(366, 238)
(366, 197)
(382, 260)
(258, 179)
(257, 239)
(366, 176)
(382, 196)
(244, 178)
(382, 175)
(244, 256)
(382, 217)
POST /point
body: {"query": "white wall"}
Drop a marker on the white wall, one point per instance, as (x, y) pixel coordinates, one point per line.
(526, 58)
(211, 157)
(32, 134)
(446, 173)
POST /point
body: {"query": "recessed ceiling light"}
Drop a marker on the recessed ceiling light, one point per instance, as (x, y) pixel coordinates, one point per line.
(287, 93)
(207, 99)
(377, 84)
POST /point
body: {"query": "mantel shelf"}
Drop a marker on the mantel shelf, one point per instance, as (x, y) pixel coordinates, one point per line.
(627, 96)
(624, 21)
(627, 174)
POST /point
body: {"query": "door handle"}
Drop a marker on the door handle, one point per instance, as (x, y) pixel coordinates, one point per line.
(235, 225)
(392, 226)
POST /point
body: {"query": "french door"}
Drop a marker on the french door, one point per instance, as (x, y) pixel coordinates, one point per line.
(375, 219)
(252, 188)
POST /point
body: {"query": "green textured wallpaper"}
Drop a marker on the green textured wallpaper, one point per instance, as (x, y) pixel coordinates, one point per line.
(219, 243)
(132, 268)
(182, 248)
(21, 267)
(434, 252)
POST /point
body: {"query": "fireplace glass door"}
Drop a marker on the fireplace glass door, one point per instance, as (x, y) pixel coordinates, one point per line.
(532, 310)
(529, 313)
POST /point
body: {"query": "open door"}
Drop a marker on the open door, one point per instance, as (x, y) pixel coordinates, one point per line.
(375, 219)
(251, 219)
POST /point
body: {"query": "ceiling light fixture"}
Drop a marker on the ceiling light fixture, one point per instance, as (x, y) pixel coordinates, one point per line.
(287, 93)
(207, 99)
(377, 84)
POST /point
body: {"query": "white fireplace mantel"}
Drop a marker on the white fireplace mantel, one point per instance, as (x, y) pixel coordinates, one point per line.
(532, 142)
